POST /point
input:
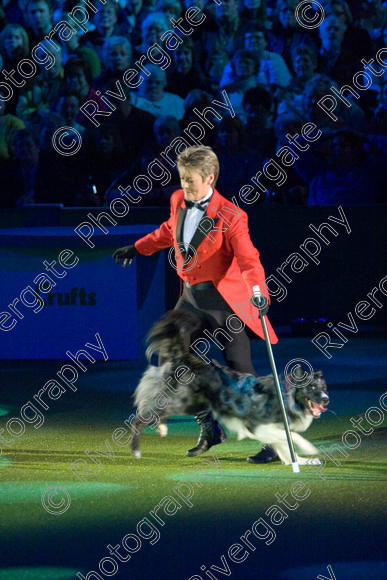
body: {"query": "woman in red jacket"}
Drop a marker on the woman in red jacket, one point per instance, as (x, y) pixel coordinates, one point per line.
(218, 264)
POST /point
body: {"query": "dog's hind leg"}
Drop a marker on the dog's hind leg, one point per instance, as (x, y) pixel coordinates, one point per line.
(137, 425)
(146, 415)
(162, 429)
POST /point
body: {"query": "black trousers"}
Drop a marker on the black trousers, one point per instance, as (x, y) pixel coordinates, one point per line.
(213, 311)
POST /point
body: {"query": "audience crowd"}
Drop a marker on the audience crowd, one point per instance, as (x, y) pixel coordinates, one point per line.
(273, 70)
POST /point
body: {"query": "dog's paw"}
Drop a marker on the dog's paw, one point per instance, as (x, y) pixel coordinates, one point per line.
(162, 429)
(136, 454)
(309, 449)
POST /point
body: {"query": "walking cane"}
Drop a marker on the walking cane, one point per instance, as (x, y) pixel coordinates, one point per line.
(295, 464)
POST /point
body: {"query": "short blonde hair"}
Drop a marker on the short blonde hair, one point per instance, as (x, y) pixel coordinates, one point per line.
(200, 158)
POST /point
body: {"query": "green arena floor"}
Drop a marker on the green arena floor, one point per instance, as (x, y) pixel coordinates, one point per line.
(338, 531)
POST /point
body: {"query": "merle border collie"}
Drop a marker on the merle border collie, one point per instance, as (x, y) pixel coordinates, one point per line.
(248, 405)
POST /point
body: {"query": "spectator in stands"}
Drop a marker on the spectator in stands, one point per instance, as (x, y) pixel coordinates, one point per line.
(106, 157)
(254, 10)
(230, 136)
(356, 39)
(348, 117)
(222, 33)
(294, 191)
(152, 97)
(245, 66)
(49, 83)
(338, 8)
(149, 6)
(201, 4)
(116, 57)
(272, 69)
(198, 99)
(347, 177)
(171, 8)
(286, 10)
(152, 28)
(44, 128)
(9, 124)
(77, 78)
(334, 59)
(383, 37)
(36, 176)
(165, 129)
(131, 10)
(133, 16)
(135, 125)
(238, 164)
(106, 25)
(287, 32)
(199, 41)
(72, 48)
(38, 19)
(214, 67)
(373, 17)
(258, 106)
(14, 45)
(3, 18)
(304, 66)
(379, 120)
(185, 75)
(205, 62)
(68, 108)
(22, 171)
(14, 10)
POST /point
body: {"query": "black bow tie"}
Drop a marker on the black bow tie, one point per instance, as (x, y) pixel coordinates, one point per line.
(198, 204)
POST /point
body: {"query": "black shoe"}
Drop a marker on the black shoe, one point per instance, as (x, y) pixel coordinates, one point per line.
(211, 433)
(266, 455)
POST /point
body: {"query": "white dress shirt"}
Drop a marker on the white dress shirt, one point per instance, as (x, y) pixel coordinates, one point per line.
(193, 216)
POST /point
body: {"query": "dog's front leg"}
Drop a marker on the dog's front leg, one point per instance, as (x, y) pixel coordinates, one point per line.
(282, 450)
(305, 446)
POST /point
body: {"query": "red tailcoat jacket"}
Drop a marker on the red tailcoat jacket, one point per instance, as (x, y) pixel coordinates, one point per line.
(220, 251)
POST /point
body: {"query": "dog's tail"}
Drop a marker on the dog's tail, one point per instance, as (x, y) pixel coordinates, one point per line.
(169, 337)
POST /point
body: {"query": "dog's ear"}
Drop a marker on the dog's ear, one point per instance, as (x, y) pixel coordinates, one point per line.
(318, 374)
